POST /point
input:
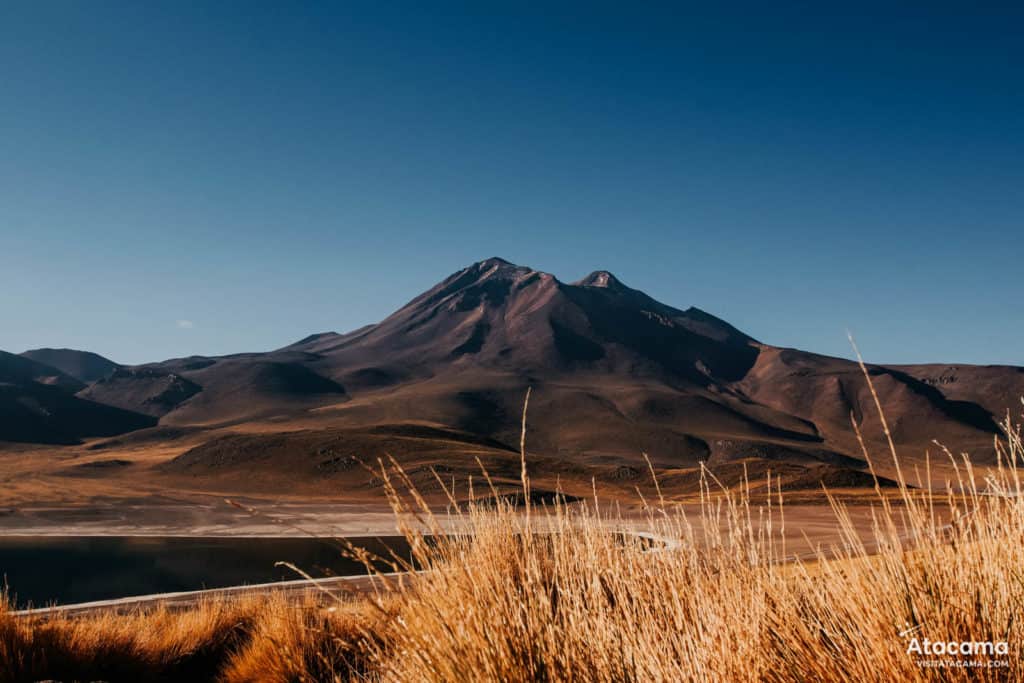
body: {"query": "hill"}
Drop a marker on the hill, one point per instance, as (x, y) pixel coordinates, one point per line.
(19, 369)
(84, 366)
(37, 406)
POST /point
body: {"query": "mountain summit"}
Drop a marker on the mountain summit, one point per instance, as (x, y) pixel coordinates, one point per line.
(600, 278)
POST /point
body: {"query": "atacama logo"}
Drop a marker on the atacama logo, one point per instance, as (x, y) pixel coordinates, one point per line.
(950, 649)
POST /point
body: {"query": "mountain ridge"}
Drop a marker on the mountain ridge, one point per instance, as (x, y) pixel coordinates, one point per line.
(614, 372)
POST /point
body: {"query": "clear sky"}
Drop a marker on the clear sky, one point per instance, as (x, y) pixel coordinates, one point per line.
(180, 178)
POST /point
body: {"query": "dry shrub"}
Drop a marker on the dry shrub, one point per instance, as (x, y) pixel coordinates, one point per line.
(145, 645)
(310, 641)
(265, 638)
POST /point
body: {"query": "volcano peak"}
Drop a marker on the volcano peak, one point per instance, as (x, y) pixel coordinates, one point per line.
(494, 261)
(601, 278)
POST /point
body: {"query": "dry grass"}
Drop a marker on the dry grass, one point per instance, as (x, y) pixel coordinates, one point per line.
(556, 593)
(249, 638)
(152, 645)
(552, 595)
(308, 642)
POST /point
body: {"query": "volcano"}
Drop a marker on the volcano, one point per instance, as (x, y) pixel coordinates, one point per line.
(614, 373)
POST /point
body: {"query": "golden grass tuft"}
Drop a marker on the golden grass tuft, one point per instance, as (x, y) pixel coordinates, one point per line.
(155, 644)
(313, 641)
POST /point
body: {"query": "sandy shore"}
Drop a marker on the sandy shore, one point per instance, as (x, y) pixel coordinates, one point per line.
(337, 586)
(211, 517)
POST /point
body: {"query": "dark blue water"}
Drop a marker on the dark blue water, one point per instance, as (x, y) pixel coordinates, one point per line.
(44, 570)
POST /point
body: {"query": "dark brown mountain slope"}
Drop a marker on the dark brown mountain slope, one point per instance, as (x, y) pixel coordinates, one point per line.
(218, 390)
(826, 391)
(37, 406)
(18, 369)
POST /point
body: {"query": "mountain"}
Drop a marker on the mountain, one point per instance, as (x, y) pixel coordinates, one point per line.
(614, 373)
(19, 369)
(85, 366)
(497, 315)
(37, 405)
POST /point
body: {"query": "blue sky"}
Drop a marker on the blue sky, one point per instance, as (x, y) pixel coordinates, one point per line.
(179, 180)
